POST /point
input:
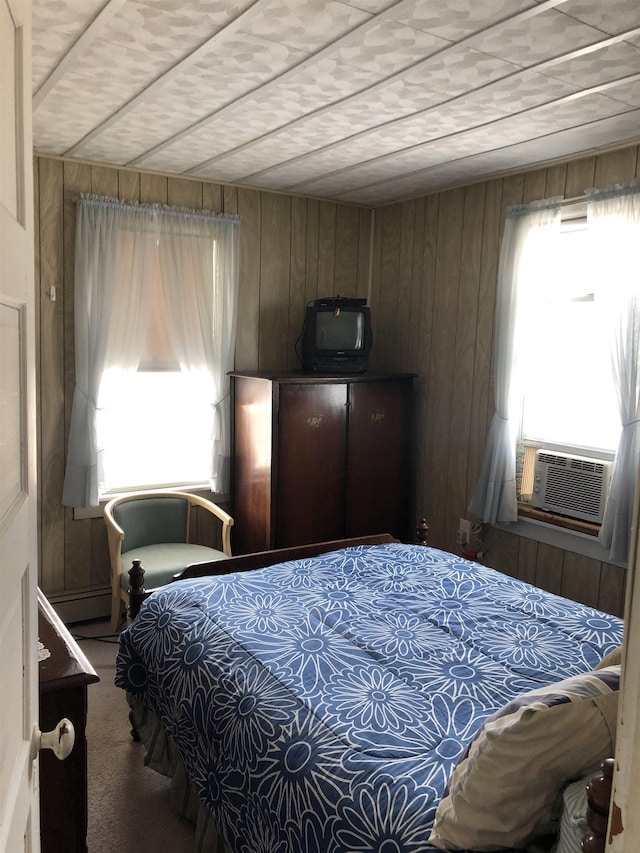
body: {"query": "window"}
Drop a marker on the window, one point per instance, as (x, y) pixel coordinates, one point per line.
(569, 399)
(154, 423)
(155, 309)
(536, 301)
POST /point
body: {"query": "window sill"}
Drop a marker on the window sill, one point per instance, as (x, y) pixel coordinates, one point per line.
(570, 538)
(575, 524)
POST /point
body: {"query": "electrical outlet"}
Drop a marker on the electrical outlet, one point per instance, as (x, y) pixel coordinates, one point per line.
(463, 536)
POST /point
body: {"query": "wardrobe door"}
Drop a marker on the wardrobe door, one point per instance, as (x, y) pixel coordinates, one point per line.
(379, 446)
(311, 462)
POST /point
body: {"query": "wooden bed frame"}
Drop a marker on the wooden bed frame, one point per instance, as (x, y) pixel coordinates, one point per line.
(598, 807)
(258, 560)
(246, 562)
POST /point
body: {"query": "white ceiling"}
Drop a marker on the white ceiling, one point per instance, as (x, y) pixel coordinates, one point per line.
(368, 101)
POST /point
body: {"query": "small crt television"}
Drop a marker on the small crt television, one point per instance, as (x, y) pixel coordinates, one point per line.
(336, 336)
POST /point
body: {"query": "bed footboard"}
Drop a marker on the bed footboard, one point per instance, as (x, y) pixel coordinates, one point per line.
(598, 805)
(246, 562)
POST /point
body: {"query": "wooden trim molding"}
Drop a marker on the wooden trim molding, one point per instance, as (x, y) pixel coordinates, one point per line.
(586, 527)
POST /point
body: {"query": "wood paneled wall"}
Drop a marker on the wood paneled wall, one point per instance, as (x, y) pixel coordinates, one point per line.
(432, 291)
(433, 300)
(291, 251)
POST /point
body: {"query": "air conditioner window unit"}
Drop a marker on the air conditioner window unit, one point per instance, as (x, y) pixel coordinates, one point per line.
(571, 485)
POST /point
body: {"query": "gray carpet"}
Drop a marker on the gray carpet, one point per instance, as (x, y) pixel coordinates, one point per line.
(129, 808)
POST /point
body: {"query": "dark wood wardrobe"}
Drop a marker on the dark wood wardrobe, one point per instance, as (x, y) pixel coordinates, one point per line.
(318, 458)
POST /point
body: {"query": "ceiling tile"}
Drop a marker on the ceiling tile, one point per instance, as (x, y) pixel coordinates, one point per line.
(612, 16)
(56, 25)
(455, 19)
(525, 42)
(304, 24)
(598, 66)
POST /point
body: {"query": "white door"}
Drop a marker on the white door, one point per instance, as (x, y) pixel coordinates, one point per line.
(624, 821)
(19, 811)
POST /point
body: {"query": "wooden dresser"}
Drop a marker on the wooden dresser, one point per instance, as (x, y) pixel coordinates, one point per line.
(318, 458)
(64, 677)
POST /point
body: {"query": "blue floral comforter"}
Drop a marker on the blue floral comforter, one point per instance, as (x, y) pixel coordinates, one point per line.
(320, 704)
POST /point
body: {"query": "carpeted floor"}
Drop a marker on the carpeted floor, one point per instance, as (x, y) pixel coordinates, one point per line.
(129, 809)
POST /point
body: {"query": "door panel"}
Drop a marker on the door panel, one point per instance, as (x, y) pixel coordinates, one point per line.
(378, 481)
(19, 824)
(311, 463)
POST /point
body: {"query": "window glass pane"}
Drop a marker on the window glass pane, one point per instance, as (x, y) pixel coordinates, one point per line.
(570, 397)
(156, 429)
(159, 353)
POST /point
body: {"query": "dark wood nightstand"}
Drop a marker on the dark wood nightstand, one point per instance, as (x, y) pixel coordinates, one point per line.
(64, 677)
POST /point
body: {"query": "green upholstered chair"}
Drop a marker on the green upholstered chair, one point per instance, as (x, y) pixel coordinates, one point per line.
(153, 527)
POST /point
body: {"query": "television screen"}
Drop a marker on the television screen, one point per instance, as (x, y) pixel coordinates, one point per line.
(336, 336)
(339, 330)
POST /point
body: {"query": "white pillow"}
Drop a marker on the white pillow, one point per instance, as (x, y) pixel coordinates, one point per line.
(504, 790)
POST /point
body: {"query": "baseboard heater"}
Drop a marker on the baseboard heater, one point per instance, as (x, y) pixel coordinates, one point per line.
(575, 486)
(84, 606)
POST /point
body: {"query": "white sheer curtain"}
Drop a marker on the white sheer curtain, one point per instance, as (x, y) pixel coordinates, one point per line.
(202, 320)
(117, 258)
(613, 222)
(525, 256)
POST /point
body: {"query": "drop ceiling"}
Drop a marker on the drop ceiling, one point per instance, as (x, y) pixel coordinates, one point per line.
(365, 101)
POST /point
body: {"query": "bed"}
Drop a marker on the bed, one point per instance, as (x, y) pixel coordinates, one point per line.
(378, 697)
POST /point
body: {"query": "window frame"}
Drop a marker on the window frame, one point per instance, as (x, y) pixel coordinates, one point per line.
(572, 215)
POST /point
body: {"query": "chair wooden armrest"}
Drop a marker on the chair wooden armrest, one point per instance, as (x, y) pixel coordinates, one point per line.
(218, 512)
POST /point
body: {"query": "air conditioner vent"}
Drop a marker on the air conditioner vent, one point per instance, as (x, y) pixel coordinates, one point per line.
(577, 463)
(571, 485)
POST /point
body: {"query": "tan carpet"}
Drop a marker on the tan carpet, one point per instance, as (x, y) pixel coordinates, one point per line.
(129, 809)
